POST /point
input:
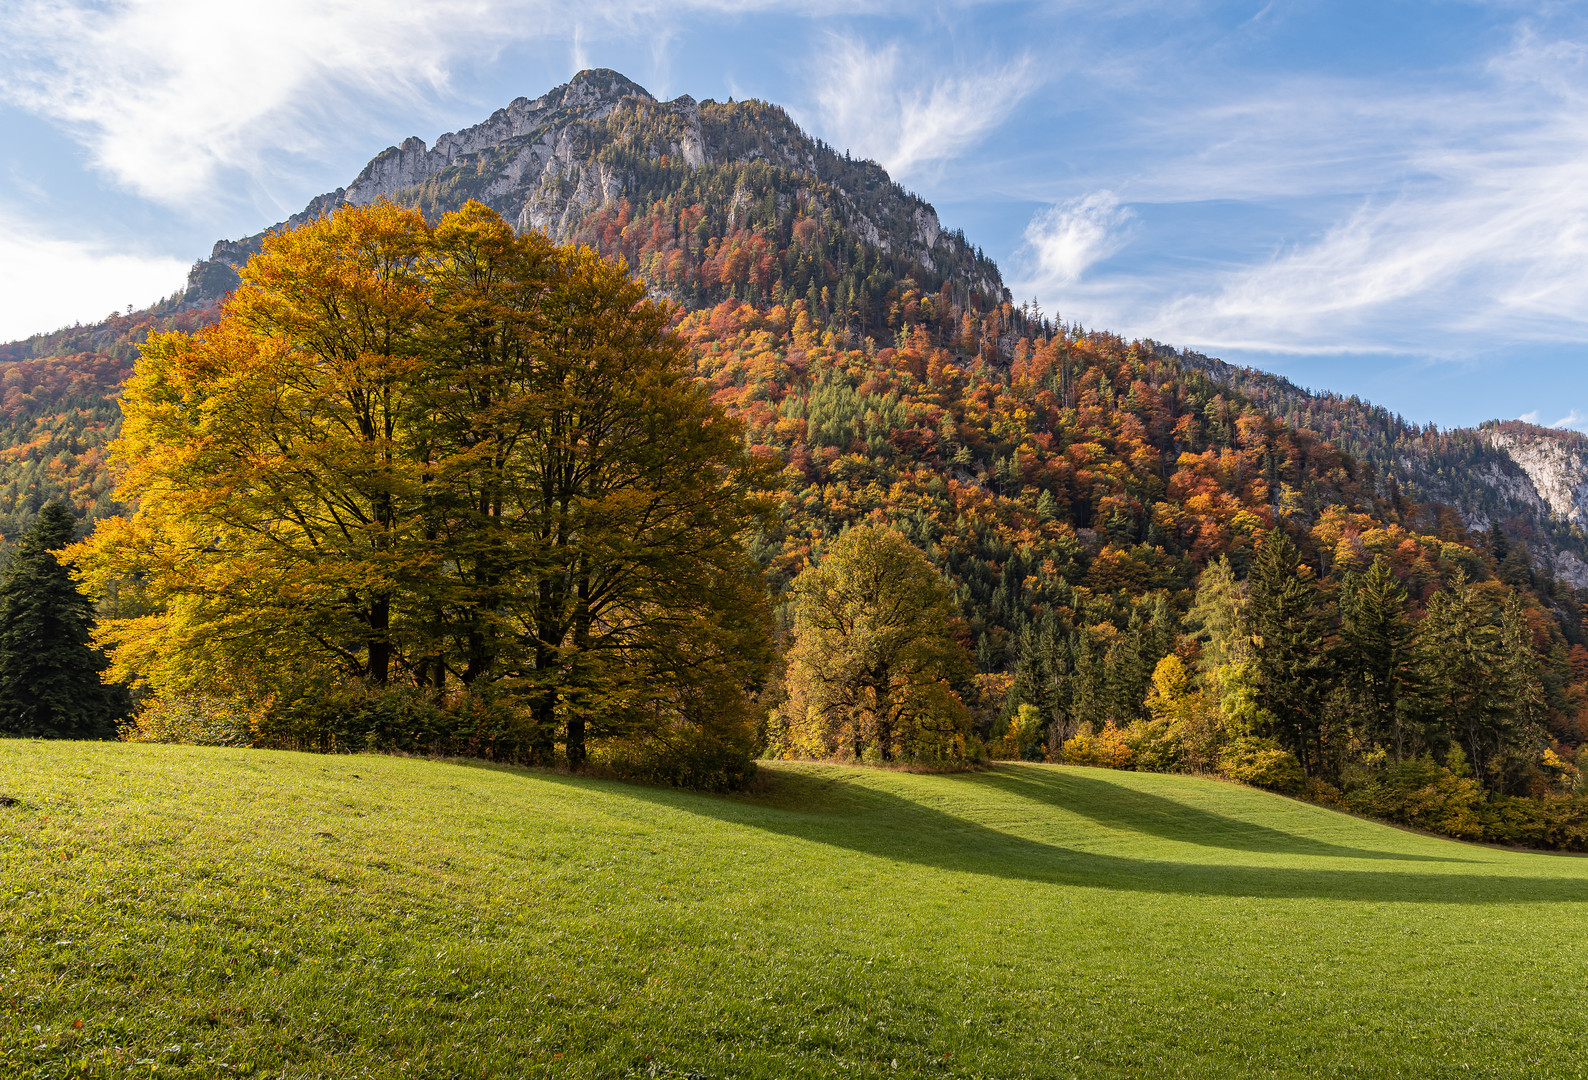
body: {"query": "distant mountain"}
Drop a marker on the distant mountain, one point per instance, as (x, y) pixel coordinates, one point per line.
(1530, 480)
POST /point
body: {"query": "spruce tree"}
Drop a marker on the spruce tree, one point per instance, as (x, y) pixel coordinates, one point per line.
(1288, 626)
(1377, 657)
(49, 671)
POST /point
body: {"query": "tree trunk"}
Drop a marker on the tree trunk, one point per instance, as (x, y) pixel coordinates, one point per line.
(379, 642)
(581, 646)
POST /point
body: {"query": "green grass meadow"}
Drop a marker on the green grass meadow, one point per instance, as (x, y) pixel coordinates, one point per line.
(174, 911)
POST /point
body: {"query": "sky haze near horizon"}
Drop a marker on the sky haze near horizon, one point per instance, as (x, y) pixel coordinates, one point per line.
(1382, 199)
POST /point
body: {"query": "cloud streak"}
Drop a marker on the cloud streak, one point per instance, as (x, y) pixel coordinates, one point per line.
(1460, 216)
(883, 103)
(50, 282)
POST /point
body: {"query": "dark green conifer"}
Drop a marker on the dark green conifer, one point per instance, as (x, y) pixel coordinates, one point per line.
(1377, 656)
(1288, 624)
(50, 682)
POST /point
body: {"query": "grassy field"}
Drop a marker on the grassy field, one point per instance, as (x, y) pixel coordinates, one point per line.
(174, 911)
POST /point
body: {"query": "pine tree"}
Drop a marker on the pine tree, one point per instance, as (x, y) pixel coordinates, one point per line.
(1287, 621)
(49, 671)
(1481, 689)
(1376, 657)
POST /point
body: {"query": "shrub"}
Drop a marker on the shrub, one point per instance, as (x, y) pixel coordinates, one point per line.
(1022, 739)
(1424, 794)
(1107, 749)
(352, 716)
(1155, 745)
(684, 755)
(1262, 763)
(195, 720)
(1558, 824)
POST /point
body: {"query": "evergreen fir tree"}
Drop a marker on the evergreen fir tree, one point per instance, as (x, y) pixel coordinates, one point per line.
(49, 671)
(1376, 657)
(1287, 621)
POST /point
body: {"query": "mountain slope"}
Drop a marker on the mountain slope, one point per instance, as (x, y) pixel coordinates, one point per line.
(1529, 480)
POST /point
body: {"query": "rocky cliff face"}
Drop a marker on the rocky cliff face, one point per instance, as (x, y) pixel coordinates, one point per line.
(1554, 463)
(553, 162)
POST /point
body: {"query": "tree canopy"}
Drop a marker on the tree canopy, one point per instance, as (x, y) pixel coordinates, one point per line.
(874, 661)
(440, 456)
(49, 669)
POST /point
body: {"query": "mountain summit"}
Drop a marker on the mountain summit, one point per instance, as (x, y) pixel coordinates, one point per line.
(589, 159)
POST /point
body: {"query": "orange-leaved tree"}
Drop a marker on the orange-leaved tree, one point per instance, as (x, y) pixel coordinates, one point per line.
(441, 456)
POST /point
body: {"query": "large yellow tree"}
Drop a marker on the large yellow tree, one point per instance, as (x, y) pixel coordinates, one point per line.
(872, 669)
(441, 455)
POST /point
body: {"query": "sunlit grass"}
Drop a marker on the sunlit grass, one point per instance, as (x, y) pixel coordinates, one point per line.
(188, 912)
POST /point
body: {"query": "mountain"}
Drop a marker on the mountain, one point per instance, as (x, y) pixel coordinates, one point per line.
(701, 198)
(1070, 484)
(1530, 481)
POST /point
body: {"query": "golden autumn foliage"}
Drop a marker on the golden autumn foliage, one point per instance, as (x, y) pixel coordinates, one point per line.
(873, 668)
(444, 457)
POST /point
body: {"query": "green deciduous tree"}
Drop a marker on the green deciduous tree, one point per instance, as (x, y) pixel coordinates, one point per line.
(50, 682)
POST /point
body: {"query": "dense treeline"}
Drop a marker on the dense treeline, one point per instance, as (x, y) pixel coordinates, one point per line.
(1455, 468)
(1075, 499)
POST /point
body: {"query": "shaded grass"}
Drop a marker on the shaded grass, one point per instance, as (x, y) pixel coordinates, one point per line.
(207, 912)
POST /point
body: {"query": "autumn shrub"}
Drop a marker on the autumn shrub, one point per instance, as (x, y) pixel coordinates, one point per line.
(1424, 794)
(1106, 749)
(353, 716)
(1322, 792)
(1021, 739)
(1555, 824)
(1155, 745)
(683, 755)
(195, 720)
(1262, 763)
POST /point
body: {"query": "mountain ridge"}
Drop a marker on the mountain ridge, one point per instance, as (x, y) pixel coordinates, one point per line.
(541, 177)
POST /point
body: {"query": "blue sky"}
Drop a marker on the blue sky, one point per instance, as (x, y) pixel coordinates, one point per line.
(1384, 199)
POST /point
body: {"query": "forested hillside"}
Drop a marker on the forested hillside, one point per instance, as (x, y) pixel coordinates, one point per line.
(1075, 495)
(1525, 479)
(58, 412)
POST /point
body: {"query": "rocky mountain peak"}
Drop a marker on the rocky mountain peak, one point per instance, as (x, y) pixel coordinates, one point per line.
(601, 140)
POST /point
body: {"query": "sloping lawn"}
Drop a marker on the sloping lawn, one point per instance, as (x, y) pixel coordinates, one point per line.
(172, 911)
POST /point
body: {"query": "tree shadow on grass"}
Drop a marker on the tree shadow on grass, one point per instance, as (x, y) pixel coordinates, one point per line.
(1121, 807)
(880, 824)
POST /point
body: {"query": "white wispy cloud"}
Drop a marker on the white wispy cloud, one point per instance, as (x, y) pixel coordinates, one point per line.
(1459, 216)
(50, 282)
(891, 104)
(174, 97)
(1067, 239)
(1573, 420)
